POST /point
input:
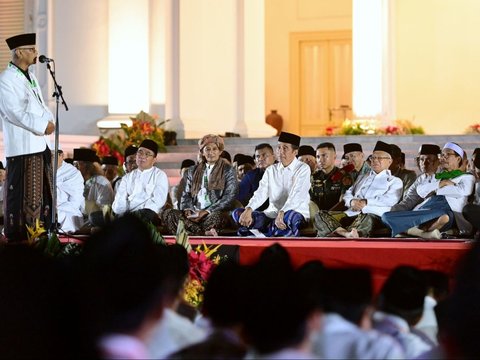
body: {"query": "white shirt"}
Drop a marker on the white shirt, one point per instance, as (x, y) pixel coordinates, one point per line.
(341, 339)
(98, 193)
(147, 189)
(412, 344)
(120, 346)
(172, 333)
(382, 191)
(286, 188)
(70, 200)
(24, 113)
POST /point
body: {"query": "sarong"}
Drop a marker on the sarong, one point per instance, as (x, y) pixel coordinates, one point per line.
(28, 193)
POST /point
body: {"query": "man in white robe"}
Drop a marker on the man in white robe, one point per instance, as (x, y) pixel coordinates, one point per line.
(145, 189)
(70, 200)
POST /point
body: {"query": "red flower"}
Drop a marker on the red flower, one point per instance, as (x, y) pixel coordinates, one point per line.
(200, 266)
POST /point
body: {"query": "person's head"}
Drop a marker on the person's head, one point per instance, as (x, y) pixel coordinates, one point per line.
(130, 157)
(24, 50)
(146, 154)
(264, 156)
(462, 312)
(245, 163)
(326, 156)
(110, 167)
(306, 154)
(403, 294)
(211, 146)
(185, 165)
(348, 292)
(438, 284)
(225, 295)
(381, 157)
(396, 154)
(176, 266)
(122, 279)
(451, 157)
(471, 165)
(60, 158)
(87, 161)
(287, 147)
(276, 318)
(353, 153)
(427, 159)
(226, 155)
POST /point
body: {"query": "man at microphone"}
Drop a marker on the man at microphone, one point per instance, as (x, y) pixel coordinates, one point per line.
(26, 123)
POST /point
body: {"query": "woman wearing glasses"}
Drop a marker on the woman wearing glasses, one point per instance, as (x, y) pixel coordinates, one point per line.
(444, 196)
(210, 189)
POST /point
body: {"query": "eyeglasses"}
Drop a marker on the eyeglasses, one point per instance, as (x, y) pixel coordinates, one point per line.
(379, 158)
(144, 153)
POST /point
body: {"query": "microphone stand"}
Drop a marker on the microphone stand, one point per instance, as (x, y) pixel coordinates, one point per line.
(58, 95)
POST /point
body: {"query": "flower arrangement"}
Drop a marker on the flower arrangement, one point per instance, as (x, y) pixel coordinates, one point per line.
(369, 127)
(143, 126)
(473, 129)
(203, 259)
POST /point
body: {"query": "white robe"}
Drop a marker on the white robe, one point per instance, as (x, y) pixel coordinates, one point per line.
(24, 113)
(147, 189)
(70, 200)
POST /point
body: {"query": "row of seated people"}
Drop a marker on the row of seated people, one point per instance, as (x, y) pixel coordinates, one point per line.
(121, 299)
(281, 198)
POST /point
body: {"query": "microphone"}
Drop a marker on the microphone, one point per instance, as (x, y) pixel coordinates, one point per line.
(44, 59)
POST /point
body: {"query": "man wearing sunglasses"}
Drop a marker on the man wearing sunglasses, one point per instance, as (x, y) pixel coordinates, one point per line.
(27, 122)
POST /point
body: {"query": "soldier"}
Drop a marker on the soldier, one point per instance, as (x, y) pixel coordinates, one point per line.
(330, 182)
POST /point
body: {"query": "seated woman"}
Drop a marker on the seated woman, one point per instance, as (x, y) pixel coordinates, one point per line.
(445, 196)
(210, 189)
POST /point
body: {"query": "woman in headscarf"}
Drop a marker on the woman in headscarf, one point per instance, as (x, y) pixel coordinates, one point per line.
(445, 196)
(210, 189)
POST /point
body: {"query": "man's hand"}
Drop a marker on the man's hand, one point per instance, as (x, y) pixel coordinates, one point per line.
(358, 204)
(200, 215)
(445, 182)
(50, 128)
(279, 221)
(246, 217)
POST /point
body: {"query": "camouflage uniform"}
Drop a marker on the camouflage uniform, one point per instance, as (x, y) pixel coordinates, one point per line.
(327, 189)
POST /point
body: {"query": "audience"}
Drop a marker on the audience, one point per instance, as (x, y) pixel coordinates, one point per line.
(397, 169)
(110, 169)
(70, 200)
(400, 308)
(245, 163)
(445, 197)
(329, 183)
(98, 192)
(368, 198)
(144, 190)
(353, 154)
(177, 190)
(210, 189)
(306, 154)
(285, 185)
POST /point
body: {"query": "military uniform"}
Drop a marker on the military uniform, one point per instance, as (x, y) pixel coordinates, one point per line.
(327, 189)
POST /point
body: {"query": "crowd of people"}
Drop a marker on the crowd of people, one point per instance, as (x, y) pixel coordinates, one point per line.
(288, 191)
(122, 298)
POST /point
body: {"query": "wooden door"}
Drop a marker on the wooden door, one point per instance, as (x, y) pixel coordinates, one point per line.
(321, 79)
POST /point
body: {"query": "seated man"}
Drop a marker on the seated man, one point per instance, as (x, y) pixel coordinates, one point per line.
(408, 177)
(353, 154)
(307, 155)
(145, 189)
(98, 192)
(264, 157)
(245, 163)
(329, 183)
(177, 190)
(110, 169)
(70, 200)
(286, 186)
(368, 198)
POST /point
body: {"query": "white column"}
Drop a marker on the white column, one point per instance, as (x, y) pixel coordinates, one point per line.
(372, 60)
